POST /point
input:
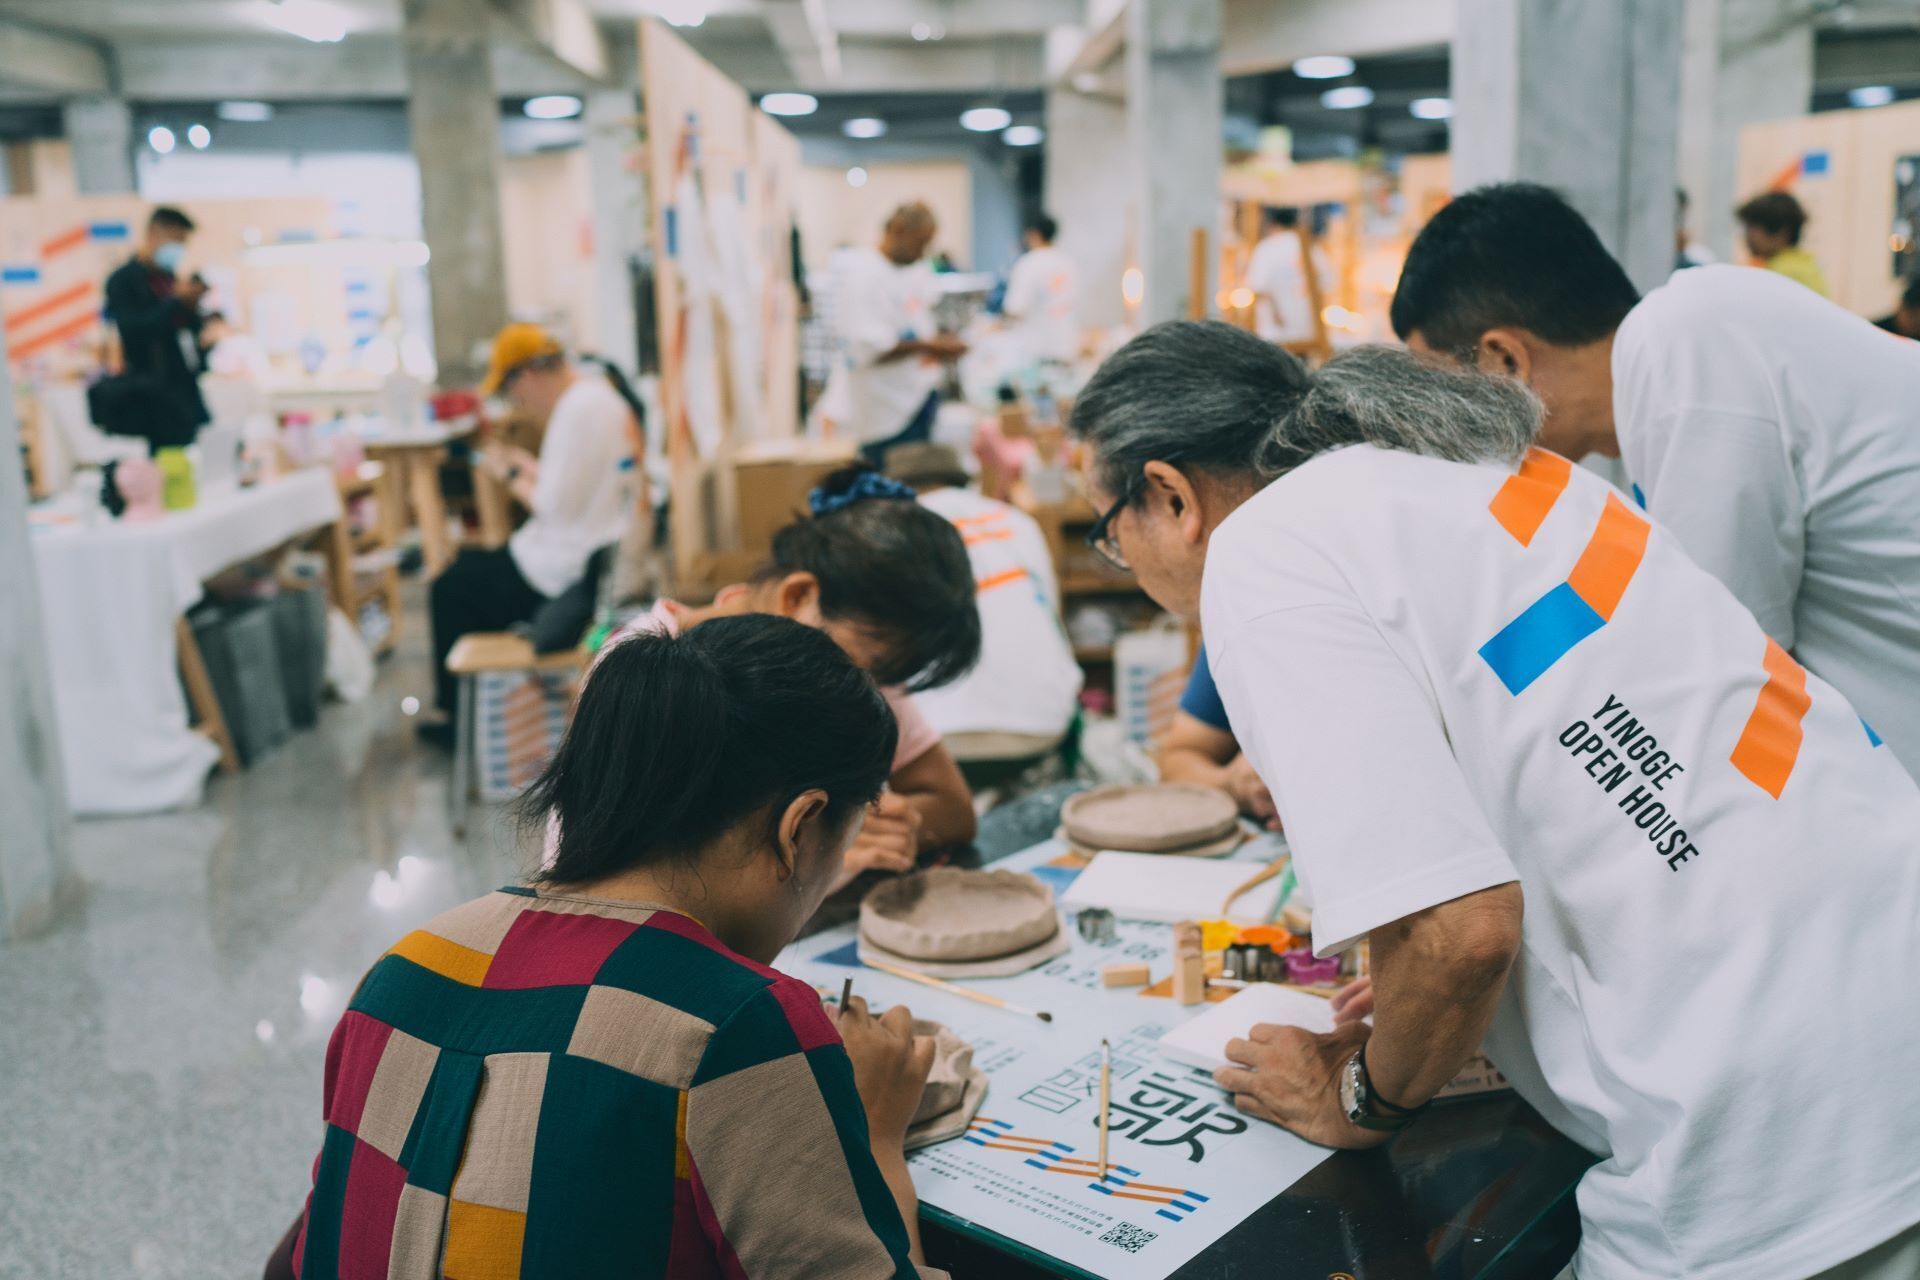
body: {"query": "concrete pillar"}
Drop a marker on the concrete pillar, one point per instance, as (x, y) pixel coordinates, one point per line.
(619, 223)
(36, 858)
(1582, 97)
(1088, 180)
(1742, 61)
(1174, 103)
(100, 132)
(455, 118)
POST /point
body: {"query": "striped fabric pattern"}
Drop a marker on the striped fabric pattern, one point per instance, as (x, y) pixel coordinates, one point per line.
(538, 1085)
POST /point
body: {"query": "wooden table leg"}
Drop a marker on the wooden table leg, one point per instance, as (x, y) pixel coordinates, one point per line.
(206, 706)
(429, 509)
(338, 550)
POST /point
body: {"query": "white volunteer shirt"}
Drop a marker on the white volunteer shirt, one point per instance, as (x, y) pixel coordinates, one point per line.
(584, 496)
(1716, 988)
(1778, 437)
(876, 305)
(1027, 680)
(1277, 273)
(1043, 299)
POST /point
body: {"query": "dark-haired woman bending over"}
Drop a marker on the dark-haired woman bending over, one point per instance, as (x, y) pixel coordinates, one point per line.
(890, 581)
(600, 1075)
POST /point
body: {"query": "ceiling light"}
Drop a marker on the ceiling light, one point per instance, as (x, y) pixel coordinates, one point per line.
(681, 13)
(921, 31)
(1871, 95)
(244, 112)
(789, 104)
(199, 136)
(1325, 66)
(308, 19)
(1346, 97)
(864, 127)
(985, 119)
(1087, 81)
(856, 177)
(1432, 108)
(1023, 135)
(160, 138)
(552, 106)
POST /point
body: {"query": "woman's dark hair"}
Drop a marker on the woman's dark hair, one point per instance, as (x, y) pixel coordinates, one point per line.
(1776, 213)
(675, 739)
(891, 565)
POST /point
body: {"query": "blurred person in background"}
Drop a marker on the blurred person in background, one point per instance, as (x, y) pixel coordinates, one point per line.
(1772, 224)
(156, 394)
(1043, 296)
(1904, 319)
(884, 309)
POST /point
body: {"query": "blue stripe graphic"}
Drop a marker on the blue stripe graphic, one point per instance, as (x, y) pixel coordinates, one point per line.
(1540, 637)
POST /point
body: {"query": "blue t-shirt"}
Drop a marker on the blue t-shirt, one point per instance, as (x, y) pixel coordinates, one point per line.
(1201, 700)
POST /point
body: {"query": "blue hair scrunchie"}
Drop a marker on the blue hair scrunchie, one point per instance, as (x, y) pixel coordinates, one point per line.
(868, 484)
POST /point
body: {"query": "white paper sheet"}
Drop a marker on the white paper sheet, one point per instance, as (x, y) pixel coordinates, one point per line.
(1186, 1168)
(1161, 887)
(1202, 1041)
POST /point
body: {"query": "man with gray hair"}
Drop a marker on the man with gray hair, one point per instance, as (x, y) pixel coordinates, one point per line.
(1560, 779)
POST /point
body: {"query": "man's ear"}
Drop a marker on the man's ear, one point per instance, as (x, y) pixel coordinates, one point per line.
(1506, 351)
(798, 823)
(1168, 486)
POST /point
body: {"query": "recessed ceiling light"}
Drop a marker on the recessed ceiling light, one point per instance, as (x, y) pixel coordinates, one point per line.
(1324, 66)
(985, 119)
(199, 137)
(1871, 95)
(864, 127)
(856, 177)
(308, 19)
(1023, 135)
(789, 104)
(1346, 97)
(160, 138)
(1432, 108)
(552, 106)
(245, 112)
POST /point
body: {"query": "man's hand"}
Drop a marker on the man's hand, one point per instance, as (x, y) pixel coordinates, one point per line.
(889, 840)
(945, 346)
(1353, 1002)
(1251, 794)
(500, 460)
(1291, 1077)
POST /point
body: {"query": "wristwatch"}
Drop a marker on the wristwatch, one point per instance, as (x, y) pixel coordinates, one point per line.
(1359, 1101)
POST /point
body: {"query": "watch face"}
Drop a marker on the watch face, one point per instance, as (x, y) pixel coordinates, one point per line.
(1352, 1094)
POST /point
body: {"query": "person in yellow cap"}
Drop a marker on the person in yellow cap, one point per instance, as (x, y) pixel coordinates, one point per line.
(578, 494)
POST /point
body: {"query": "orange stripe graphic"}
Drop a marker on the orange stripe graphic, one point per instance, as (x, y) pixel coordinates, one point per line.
(1770, 744)
(79, 324)
(1000, 579)
(65, 240)
(970, 522)
(987, 535)
(1528, 494)
(47, 306)
(1601, 574)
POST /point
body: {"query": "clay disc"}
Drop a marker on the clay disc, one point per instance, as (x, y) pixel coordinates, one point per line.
(950, 914)
(1149, 818)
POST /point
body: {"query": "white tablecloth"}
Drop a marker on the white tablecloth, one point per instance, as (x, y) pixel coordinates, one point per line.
(110, 596)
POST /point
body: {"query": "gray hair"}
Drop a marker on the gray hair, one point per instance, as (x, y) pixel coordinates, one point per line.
(1392, 399)
(1206, 396)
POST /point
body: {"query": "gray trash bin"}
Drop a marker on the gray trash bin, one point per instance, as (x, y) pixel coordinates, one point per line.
(300, 630)
(243, 662)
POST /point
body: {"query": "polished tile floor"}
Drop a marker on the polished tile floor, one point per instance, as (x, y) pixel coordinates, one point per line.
(160, 1054)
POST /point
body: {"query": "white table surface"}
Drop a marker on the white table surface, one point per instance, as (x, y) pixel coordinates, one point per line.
(110, 594)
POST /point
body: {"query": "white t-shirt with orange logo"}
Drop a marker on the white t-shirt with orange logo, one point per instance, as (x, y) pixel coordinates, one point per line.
(1454, 677)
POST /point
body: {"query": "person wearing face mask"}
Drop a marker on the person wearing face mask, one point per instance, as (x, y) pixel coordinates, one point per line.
(158, 318)
(1769, 429)
(599, 1072)
(578, 494)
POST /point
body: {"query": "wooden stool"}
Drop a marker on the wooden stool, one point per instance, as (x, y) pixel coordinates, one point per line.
(473, 654)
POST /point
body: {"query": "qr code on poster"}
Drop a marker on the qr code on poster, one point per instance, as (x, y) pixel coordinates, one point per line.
(1129, 1237)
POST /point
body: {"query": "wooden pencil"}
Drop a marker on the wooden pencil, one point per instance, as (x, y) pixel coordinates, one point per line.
(846, 993)
(940, 984)
(1106, 1095)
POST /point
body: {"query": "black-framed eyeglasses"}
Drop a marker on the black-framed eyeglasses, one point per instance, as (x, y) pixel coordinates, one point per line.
(1101, 537)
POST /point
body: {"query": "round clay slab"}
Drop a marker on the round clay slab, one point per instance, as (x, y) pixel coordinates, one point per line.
(951, 914)
(1149, 818)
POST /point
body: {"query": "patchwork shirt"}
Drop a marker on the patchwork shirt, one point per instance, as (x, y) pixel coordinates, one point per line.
(542, 1085)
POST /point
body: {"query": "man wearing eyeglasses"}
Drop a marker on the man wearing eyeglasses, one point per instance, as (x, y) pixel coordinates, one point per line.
(1583, 809)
